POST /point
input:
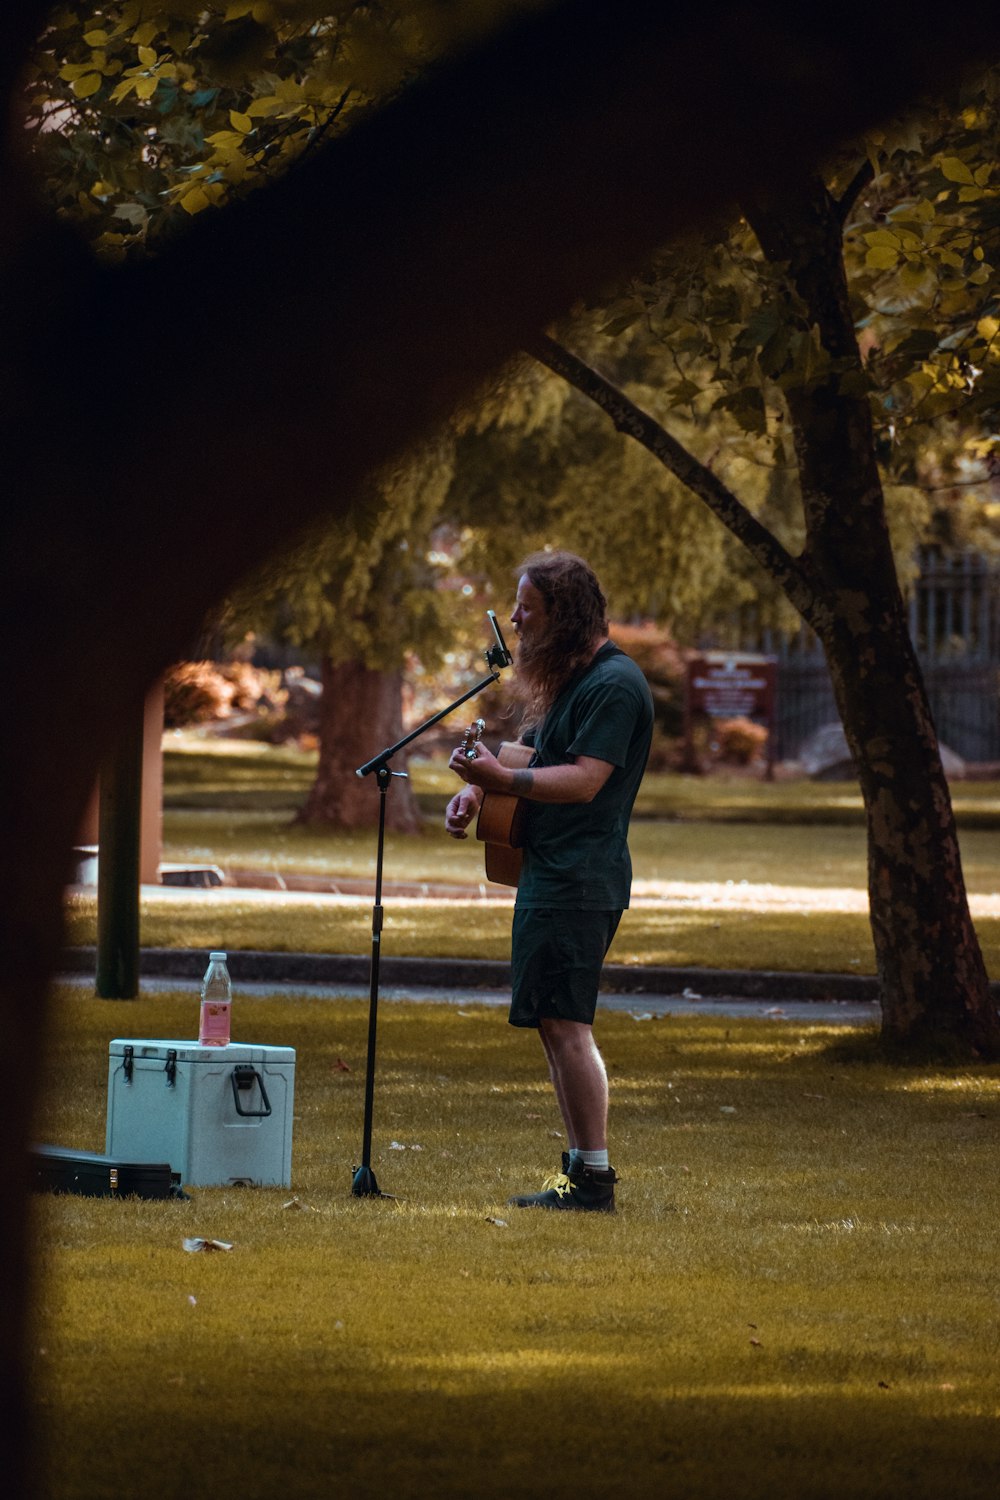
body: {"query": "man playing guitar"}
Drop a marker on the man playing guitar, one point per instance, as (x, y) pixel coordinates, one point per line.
(589, 719)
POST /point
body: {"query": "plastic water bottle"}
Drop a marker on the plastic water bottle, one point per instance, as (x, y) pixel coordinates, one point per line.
(216, 1003)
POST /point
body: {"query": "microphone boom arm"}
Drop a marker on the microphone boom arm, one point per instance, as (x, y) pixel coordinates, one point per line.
(497, 657)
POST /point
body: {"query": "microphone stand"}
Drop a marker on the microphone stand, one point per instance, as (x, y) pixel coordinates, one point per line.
(364, 1184)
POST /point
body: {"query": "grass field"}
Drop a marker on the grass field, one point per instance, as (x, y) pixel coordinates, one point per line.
(241, 775)
(797, 1297)
(767, 876)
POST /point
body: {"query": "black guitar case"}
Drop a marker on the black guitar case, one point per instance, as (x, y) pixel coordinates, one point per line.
(54, 1169)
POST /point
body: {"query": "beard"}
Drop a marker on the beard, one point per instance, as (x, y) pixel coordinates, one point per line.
(541, 670)
(530, 661)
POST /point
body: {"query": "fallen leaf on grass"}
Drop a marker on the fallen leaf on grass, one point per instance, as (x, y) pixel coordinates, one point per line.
(340, 1066)
(756, 1344)
(194, 1245)
(500, 1223)
(297, 1203)
(645, 1015)
(884, 1385)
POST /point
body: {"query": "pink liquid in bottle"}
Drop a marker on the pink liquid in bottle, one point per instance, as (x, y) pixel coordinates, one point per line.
(216, 1003)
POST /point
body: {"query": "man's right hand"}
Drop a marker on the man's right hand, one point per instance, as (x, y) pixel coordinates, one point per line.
(461, 810)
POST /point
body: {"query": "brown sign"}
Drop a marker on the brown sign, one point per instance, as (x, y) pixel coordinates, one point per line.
(728, 685)
(731, 685)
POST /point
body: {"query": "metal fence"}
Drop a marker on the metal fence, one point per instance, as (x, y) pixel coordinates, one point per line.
(954, 617)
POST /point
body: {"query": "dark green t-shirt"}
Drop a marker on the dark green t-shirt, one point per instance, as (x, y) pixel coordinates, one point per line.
(576, 853)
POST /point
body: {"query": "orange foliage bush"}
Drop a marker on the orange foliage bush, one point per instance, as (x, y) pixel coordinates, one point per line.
(196, 692)
(739, 741)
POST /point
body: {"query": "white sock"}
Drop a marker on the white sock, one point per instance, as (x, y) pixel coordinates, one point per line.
(598, 1159)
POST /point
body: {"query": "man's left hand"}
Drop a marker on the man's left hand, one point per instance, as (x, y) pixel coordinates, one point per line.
(482, 770)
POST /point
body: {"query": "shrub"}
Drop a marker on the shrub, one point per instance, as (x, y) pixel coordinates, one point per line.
(661, 662)
(196, 692)
(739, 741)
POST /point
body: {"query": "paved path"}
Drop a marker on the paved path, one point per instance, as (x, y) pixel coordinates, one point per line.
(642, 993)
(642, 1008)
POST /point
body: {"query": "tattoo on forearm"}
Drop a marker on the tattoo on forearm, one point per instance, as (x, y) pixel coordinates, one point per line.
(523, 782)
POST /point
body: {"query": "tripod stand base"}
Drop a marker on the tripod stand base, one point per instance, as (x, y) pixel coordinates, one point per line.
(365, 1186)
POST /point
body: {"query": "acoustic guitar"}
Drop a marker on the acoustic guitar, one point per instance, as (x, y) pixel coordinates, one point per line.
(500, 825)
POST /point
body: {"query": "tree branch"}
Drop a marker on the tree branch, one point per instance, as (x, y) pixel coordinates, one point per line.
(861, 179)
(630, 419)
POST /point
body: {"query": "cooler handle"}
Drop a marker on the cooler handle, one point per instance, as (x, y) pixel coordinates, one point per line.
(243, 1077)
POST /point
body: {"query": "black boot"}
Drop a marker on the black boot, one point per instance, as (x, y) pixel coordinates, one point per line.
(586, 1189)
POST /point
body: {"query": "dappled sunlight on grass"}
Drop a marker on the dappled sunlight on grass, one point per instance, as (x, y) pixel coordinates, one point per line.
(422, 927)
(958, 1083)
(801, 1285)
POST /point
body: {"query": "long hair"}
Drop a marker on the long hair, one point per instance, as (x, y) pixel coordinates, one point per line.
(576, 612)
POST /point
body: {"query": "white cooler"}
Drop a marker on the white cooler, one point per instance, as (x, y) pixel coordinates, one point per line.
(218, 1115)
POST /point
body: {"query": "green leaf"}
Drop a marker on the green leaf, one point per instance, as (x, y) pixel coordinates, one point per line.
(619, 324)
(762, 325)
(747, 407)
(87, 86)
(882, 237)
(194, 200)
(683, 392)
(955, 169)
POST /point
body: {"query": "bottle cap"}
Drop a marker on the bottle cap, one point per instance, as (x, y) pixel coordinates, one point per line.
(213, 956)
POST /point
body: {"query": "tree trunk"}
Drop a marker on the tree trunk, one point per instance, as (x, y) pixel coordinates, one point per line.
(360, 714)
(934, 988)
(933, 982)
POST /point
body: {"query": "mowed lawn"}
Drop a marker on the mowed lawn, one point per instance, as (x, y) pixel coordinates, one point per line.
(727, 874)
(797, 1296)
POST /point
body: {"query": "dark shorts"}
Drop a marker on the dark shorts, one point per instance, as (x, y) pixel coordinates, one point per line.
(556, 959)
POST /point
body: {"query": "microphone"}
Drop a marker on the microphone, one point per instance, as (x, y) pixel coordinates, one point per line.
(505, 655)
